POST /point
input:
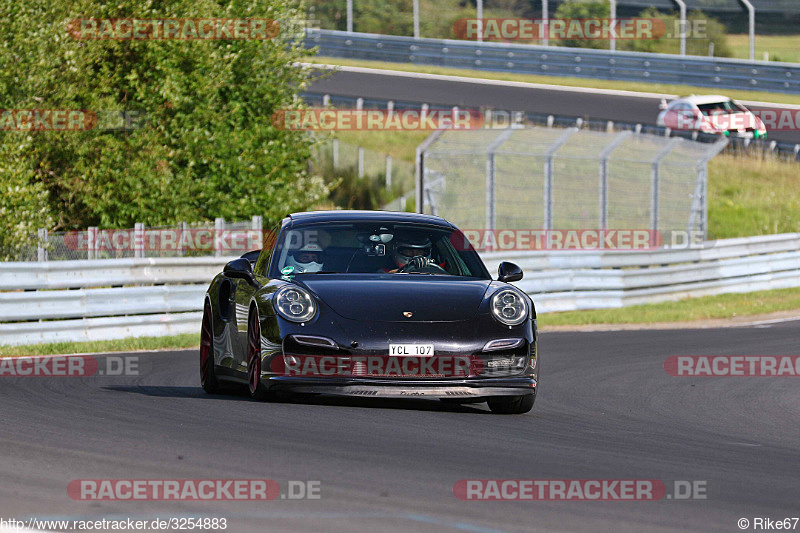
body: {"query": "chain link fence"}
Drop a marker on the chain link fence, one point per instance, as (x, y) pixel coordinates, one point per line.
(565, 178)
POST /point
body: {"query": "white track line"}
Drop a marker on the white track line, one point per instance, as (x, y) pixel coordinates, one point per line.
(522, 84)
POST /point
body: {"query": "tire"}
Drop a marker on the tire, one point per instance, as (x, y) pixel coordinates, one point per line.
(254, 385)
(208, 374)
(511, 405)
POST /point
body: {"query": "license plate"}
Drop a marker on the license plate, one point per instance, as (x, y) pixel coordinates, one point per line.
(411, 349)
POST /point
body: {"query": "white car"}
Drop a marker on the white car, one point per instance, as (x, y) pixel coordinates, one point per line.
(711, 114)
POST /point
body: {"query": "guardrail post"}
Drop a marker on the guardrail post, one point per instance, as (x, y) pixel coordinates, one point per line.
(335, 150)
(359, 104)
(360, 161)
(138, 239)
(326, 100)
(349, 16)
(219, 227)
(41, 248)
(388, 172)
(91, 242)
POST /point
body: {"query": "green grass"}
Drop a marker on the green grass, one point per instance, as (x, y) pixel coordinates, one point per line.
(401, 145)
(750, 195)
(779, 47)
(779, 98)
(186, 340)
(687, 310)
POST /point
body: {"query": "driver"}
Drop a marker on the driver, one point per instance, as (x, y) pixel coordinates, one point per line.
(306, 259)
(411, 252)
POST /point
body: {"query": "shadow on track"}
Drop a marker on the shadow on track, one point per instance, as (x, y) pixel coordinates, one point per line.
(302, 399)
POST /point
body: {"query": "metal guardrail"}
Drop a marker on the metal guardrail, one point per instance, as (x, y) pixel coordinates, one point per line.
(164, 296)
(560, 61)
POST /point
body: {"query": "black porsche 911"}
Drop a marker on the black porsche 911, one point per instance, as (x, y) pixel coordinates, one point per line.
(370, 304)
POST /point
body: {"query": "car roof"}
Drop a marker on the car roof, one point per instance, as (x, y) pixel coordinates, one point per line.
(703, 99)
(342, 215)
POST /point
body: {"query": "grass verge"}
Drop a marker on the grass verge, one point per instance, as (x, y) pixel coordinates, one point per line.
(186, 340)
(778, 98)
(779, 47)
(722, 306)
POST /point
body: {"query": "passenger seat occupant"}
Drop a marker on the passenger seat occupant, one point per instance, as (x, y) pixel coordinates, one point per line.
(308, 258)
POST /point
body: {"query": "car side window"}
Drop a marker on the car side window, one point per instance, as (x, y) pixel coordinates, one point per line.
(267, 247)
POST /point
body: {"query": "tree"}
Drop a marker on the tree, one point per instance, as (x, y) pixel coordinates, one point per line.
(594, 9)
(206, 146)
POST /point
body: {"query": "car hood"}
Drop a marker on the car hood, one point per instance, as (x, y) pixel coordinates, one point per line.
(427, 298)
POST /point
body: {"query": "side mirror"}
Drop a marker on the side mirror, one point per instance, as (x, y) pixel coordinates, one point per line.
(508, 272)
(241, 269)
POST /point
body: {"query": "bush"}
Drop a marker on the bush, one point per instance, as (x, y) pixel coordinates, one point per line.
(714, 30)
(207, 147)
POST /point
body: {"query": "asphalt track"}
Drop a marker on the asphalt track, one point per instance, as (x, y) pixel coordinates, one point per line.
(469, 94)
(606, 410)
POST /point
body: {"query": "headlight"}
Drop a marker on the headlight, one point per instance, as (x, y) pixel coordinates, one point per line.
(295, 304)
(509, 307)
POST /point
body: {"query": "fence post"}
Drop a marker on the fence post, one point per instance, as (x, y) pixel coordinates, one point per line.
(41, 248)
(91, 241)
(219, 227)
(359, 104)
(360, 161)
(138, 239)
(326, 100)
(491, 185)
(335, 151)
(182, 227)
(548, 175)
(655, 178)
(419, 168)
(388, 172)
(618, 139)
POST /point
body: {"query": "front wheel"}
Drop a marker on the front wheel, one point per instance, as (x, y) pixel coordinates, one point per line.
(257, 389)
(208, 375)
(511, 405)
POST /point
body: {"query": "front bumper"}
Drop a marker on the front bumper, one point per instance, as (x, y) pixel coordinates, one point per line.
(462, 389)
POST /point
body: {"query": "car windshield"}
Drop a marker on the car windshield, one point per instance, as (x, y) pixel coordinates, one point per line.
(374, 248)
(726, 107)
